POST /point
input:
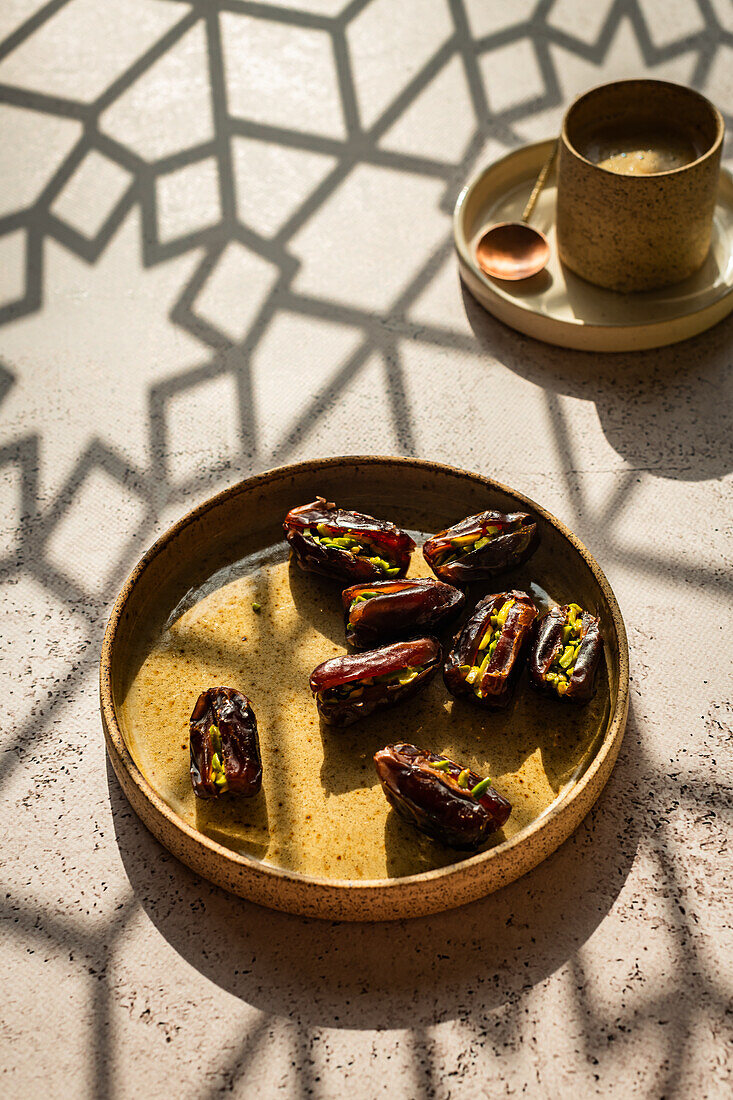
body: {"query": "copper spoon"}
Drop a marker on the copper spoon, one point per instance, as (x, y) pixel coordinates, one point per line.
(514, 250)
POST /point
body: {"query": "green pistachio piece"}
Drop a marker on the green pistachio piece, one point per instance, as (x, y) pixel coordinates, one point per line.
(464, 670)
(440, 765)
(505, 609)
(463, 778)
(362, 598)
(256, 607)
(567, 657)
(218, 773)
(480, 787)
(573, 612)
(484, 665)
(480, 543)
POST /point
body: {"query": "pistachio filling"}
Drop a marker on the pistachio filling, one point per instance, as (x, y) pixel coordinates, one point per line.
(563, 663)
(355, 688)
(466, 544)
(356, 547)
(463, 778)
(474, 674)
(361, 598)
(218, 772)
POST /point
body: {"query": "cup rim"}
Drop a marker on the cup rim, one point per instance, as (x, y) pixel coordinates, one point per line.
(710, 151)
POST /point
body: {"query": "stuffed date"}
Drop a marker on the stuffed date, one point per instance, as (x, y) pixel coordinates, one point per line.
(349, 545)
(225, 748)
(487, 655)
(349, 688)
(481, 546)
(439, 797)
(382, 610)
(566, 653)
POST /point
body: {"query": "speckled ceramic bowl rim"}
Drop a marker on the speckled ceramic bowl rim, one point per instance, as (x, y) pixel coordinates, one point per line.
(554, 324)
(114, 734)
(693, 94)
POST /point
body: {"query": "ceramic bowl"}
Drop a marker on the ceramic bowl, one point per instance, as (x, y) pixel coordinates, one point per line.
(637, 232)
(321, 840)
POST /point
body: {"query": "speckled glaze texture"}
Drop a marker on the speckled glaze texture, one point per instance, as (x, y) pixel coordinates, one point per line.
(246, 518)
(633, 233)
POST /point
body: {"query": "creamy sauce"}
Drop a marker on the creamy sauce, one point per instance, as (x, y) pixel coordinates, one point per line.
(640, 152)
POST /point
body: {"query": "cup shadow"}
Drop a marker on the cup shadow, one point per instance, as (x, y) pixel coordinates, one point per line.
(664, 410)
(402, 974)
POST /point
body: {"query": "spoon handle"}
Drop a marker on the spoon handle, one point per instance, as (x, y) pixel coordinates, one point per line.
(539, 184)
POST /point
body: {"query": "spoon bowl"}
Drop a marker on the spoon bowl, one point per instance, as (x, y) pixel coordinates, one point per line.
(512, 251)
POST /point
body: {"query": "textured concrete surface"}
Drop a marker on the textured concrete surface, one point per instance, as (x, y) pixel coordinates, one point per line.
(185, 187)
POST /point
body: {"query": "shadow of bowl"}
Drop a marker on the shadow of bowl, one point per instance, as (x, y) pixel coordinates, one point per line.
(401, 974)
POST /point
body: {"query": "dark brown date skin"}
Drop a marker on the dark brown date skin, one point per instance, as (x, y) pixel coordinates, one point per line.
(394, 609)
(493, 686)
(240, 766)
(578, 684)
(432, 800)
(388, 546)
(351, 687)
(512, 538)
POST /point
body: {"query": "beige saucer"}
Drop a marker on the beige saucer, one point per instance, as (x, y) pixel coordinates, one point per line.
(558, 306)
(320, 838)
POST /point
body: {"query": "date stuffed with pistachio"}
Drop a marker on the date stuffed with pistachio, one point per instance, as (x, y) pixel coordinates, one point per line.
(225, 748)
(347, 545)
(439, 797)
(382, 610)
(349, 688)
(481, 546)
(487, 655)
(566, 653)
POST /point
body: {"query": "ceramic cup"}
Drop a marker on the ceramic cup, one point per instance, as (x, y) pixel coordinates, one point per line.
(620, 225)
